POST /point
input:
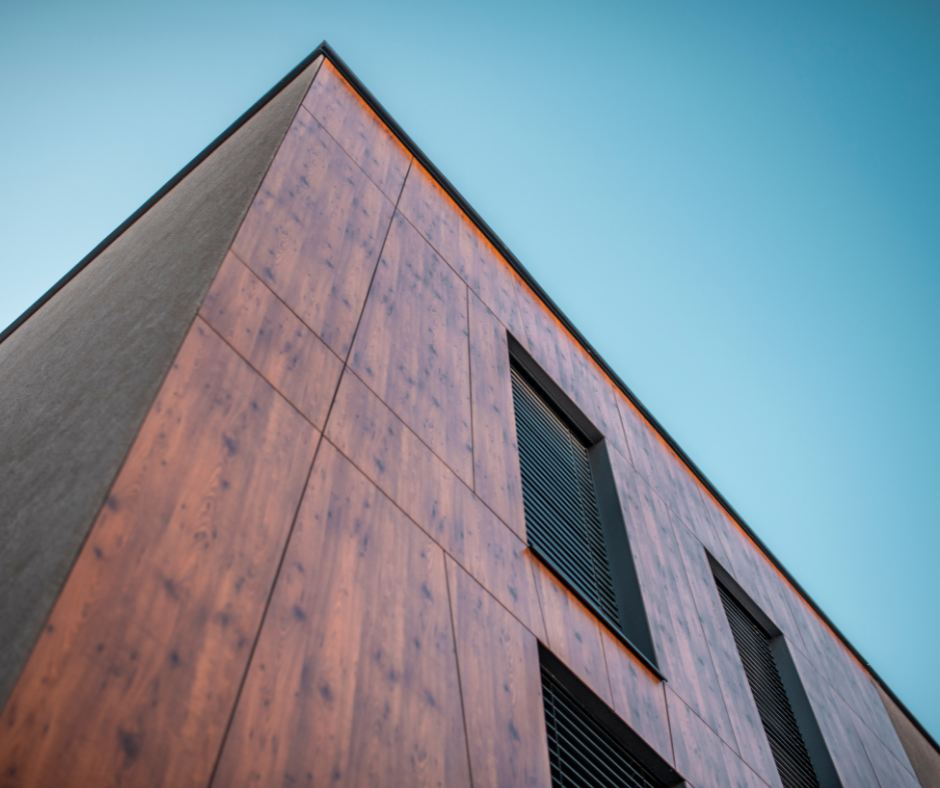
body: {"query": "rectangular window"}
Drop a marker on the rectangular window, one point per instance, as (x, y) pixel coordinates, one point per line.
(588, 744)
(574, 523)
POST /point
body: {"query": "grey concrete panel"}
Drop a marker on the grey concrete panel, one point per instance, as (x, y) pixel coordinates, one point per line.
(77, 379)
(924, 758)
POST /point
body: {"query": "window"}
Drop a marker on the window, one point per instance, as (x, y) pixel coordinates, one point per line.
(588, 745)
(795, 741)
(574, 523)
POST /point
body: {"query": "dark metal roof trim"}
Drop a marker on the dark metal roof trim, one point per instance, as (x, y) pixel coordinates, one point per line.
(327, 51)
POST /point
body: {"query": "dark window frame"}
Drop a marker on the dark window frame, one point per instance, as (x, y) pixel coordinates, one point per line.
(633, 629)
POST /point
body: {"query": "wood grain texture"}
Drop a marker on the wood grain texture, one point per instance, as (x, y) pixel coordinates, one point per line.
(573, 633)
(314, 232)
(742, 711)
(350, 121)
(681, 649)
(501, 685)
(497, 477)
(704, 759)
(406, 470)
(638, 696)
(845, 675)
(567, 363)
(888, 769)
(835, 724)
(354, 678)
(135, 676)
(669, 476)
(752, 569)
(412, 347)
(272, 339)
(456, 239)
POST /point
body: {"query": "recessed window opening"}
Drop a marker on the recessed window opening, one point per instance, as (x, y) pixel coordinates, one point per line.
(574, 522)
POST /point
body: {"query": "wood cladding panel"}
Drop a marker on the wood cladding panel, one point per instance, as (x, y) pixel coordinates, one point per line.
(845, 675)
(412, 347)
(497, 477)
(742, 711)
(835, 724)
(638, 696)
(501, 686)
(136, 673)
(272, 339)
(681, 648)
(314, 232)
(669, 476)
(573, 633)
(350, 121)
(354, 678)
(393, 457)
(757, 576)
(888, 769)
(704, 759)
(567, 363)
(456, 239)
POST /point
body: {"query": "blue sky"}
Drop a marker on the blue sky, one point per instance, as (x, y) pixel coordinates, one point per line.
(738, 204)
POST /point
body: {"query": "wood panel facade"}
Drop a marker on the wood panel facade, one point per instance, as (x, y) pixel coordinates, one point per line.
(312, 567)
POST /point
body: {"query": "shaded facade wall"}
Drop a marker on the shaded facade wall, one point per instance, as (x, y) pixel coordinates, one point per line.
(312, 569)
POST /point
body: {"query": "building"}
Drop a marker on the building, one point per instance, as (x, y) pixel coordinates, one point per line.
(307, 482)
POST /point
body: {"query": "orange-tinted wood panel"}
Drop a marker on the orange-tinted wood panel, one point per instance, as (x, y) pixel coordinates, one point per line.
(354, 679)
(573, 633)
(660, 467)
(501, 686)
(135, 676)
(571, 368)
(835, 723)
(638, 696)
(314, 232)
(745, 719)
(350, 122)
(888, 769)
(847, 677)
(496, 475)
(681, 648)
(701, 757)
(455, 238)
(272, 339)
(412, 347)
(393, 457)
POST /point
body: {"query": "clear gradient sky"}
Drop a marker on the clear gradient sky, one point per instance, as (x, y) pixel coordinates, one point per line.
(737, 203)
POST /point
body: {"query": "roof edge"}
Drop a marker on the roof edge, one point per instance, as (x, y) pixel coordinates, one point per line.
(327, 51)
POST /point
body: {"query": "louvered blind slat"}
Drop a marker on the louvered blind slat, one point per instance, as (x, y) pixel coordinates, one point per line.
(562, 519)
(786, 742)
(581, 752)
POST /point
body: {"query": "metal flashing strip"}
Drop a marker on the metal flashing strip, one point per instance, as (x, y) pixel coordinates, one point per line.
(327, 51)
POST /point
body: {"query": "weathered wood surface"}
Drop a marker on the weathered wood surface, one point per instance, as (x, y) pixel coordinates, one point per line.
(567, 363)
(412, 347)
(573, 633)
(742, 711)
(136, 673)
(681, 648)
(497, 477)
(354, 679)
(272, 339)
(456, 239)
(314, 232)
(638, 696)
(501, 687)
(701, 757)
(406, 470)
(350, 121)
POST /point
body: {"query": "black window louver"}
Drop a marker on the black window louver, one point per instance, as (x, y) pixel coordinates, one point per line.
(561, 513)
(786, 742)
(581, 753)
